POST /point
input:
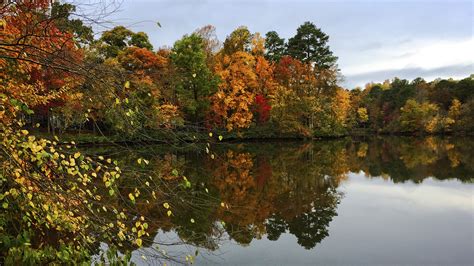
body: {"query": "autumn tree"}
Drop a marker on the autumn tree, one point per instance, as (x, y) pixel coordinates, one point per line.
(238, 40)
(294, 100)
(455, 109)
(362, 116)
(244, 73)
(466, 119)
(418, 117)
(211, 43)
(49, 198)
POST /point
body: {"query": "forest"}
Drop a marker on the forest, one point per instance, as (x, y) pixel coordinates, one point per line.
(250, 85)
(61, 84)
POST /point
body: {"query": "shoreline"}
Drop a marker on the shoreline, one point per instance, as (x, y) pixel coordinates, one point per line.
(89, 139)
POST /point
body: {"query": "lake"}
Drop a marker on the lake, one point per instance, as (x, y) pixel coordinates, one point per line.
(365, 201)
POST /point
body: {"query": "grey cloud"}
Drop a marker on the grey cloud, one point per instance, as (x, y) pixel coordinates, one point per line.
(409, 73)
(371, 46)
(357, 29)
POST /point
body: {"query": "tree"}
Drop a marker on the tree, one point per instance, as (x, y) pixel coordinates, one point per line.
(236, 92)
(341, 107)
(362, 116)
(275, 46)
(49, 197)
(454, 112)
(304, 103)
(418, 117)
(61, 12)
(39, 59)
(195, 81)
(211, 43)
(238, 41)
(244, 73)
(310, 46)
(117, 39)
(466, 120)
(140, 40)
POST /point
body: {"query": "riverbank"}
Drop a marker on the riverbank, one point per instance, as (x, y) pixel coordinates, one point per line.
(164, 136)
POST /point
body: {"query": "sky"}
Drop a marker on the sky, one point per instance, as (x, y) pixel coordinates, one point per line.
(374, 40)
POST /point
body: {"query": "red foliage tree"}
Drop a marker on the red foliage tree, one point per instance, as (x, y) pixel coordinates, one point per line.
(261, 109)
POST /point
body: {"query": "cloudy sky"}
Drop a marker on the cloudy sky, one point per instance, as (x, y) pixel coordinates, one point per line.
(374, 40)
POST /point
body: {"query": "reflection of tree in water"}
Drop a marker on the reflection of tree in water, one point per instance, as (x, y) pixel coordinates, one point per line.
(402, 159)
(288, 190)
(249, 191)
(311, 227)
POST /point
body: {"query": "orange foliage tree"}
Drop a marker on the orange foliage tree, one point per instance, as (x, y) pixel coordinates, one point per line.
(244, 73)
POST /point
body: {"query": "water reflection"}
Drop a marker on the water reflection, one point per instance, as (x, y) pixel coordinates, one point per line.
(249, 191)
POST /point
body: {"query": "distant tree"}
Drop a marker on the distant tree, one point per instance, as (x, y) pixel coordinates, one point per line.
(466, 120)
(362, 116)
(464, 89)
(418, 117)
(455, 110)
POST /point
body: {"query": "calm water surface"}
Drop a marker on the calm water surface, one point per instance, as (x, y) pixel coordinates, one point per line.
(378, 201)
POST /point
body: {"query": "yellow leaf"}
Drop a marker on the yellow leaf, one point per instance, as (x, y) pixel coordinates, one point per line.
(138, 242)
(169, 213)
(127, 84)
(121, 235)
(132, 198)
(77, 154)
(3, 23)
(166, 205)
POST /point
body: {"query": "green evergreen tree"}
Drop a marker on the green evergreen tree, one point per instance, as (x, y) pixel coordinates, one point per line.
(310, 45)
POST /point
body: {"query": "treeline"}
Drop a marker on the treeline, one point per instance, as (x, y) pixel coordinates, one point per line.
(267, 86)
(416, 107)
